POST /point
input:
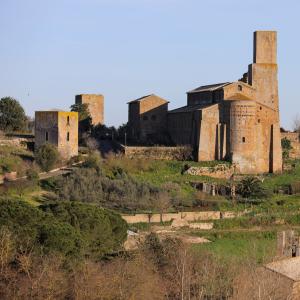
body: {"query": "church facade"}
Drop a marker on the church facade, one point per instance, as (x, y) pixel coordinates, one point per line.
(234, 121)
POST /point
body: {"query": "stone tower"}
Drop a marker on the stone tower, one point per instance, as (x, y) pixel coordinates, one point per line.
(59, 128)
(263, 71)
(95, 105)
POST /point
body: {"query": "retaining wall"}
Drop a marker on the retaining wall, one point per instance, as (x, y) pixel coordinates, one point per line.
(188, 216)
(164, 153)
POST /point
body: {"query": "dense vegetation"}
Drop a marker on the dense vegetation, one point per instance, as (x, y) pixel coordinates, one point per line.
(12, 114)
(15, 159)
(71, 229)
(46, 156)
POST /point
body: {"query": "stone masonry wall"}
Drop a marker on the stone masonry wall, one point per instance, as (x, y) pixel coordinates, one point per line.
(164, 153)
(294, 138)
(187, 216)
(95, 105)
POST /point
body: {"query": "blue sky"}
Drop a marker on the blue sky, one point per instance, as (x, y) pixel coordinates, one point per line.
(124, 49)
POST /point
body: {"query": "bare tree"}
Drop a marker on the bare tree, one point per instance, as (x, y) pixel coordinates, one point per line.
(296, 123)
(162, 203)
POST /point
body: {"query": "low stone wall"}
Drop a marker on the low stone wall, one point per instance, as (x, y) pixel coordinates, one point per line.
(291, 136)
(15, 141)
(187, 216)
(157, 152)
(218, 171)
(11, 176)
(294, 138)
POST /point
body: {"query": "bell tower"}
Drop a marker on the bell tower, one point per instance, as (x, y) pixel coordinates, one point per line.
(263, 70)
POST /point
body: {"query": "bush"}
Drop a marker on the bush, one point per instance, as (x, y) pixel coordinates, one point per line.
(46, 157)
(93, 161)
(87, 185)
(11, 163)
(32, 175)
(286, 147)
(251, 187)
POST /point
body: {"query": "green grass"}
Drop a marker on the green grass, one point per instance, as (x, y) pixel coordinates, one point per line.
(162, 172)
(274, 180)
(15, 159)
(237, 245)
(143, 226)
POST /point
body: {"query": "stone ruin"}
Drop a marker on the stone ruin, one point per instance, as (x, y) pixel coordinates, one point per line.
(288, 243)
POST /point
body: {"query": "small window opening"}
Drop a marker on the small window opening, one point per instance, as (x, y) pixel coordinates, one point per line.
(260, 108)
(68, 136)
(258, 120)
(47, 136)
(244, 139)
(145, 118)
(240, 88)
(68, 120)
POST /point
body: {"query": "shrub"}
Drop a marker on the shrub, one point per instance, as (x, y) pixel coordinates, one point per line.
(46, 157)
(32, 175)
(286, 147)
(11, 163)
(93, 161)
(251, 187)
(87, 185)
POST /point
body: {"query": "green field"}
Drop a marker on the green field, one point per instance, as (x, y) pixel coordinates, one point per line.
(260, 246)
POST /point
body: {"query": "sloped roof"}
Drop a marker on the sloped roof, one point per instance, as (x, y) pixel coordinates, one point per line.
(144, 97)
(289, 267)
(211, 87)
(190, 108)
(238, 96)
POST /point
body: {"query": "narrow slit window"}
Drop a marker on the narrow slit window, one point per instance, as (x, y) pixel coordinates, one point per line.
(68, 120)
(46, 136)
(244, 139)
(68, 136)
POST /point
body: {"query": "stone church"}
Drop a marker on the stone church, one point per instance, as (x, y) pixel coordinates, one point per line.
(236, 121)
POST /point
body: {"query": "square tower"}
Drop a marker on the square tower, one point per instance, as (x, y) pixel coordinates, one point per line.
(147, 118)
(95, 105)
(265, 47)
(263, 71)
(58, 128)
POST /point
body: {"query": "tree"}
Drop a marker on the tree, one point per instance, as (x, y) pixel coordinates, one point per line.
(162, 203)
(296, 123)
(34, 228)
(286, 147)
(84, 117)
(12, 115)
(46, 157)
(102, 231)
